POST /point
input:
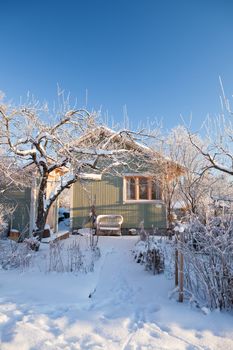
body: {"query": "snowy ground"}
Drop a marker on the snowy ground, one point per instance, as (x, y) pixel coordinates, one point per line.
(129, 309)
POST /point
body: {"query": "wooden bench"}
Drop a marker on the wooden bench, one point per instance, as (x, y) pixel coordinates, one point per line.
(109, 224)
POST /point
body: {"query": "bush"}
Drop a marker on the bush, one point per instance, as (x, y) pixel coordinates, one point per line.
(208, 262)
(149, 253)
(72, 257)
(32, 243)
(15, 255)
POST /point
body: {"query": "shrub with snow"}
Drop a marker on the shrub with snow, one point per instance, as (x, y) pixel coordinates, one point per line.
(32, 243)
(72, 257)
(208, 262)
(15, 255)
(149, 253)
(76, 255)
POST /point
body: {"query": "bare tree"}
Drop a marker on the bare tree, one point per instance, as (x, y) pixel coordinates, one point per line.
(218, 149)
(71, 140)
(11, 175)
(191, 189)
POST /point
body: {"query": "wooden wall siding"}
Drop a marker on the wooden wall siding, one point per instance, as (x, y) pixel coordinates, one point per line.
(21, 216)
(107, 195)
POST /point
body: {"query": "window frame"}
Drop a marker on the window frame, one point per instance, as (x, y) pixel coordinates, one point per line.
(137, 190)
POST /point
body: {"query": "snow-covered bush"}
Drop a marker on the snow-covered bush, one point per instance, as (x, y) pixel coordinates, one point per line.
(208, 262)
(149, 253)
(72, 257)
(76, 255)
(14, 255)
(75, 258)
(55, 257)
(32, 243)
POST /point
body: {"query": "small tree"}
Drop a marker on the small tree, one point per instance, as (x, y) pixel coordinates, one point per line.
(44, 145)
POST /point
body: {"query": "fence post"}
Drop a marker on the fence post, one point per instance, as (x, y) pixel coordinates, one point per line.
(176, 268)
(181, 270)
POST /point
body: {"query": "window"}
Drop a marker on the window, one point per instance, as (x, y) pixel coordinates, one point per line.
(131, 188)
(141, 188)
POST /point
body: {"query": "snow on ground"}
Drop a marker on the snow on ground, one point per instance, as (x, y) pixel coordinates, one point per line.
(129, 309)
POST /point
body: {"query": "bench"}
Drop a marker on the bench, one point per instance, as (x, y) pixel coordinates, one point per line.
(109, 224)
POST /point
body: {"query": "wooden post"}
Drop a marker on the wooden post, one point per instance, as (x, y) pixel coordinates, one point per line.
(154, 268)
(181, 272)
(176, 263)
(176, 268)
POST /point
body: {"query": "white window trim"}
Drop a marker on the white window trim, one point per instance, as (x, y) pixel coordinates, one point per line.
(133, 201)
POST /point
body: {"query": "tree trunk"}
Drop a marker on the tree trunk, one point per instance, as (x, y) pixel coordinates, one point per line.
(42, 211)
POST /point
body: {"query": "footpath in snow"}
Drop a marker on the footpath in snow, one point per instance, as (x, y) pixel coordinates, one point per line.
(128, 309)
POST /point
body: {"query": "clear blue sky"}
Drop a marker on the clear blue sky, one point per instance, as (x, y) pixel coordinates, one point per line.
(160, 58)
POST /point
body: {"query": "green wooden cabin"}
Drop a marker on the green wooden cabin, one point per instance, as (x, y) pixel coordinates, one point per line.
(136, 197)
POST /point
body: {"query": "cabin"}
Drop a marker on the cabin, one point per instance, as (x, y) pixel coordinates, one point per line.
(135, 192)
(129, 186)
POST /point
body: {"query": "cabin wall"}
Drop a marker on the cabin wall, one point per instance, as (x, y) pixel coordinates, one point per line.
(107, 196)
(21, 201)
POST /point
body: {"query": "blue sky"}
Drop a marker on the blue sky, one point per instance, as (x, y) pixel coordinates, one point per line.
(159, 58)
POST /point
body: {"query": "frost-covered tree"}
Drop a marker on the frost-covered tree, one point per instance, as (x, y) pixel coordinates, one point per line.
(221, 195)
(11, 174)
(192, 189)
(68, 138)
(218, 148)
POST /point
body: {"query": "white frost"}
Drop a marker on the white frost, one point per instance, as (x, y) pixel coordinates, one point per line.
(87, 176)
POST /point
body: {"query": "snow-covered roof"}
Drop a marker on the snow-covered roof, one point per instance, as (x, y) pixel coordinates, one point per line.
(108, 139)
(110, 135)
(86, 176)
